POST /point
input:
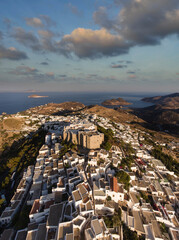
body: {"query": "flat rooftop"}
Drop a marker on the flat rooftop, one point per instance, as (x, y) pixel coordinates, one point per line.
(55, 214)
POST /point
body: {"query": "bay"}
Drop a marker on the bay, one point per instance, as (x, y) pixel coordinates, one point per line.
(15, 102)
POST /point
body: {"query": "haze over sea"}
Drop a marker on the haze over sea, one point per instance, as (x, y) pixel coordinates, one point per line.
(15, 102)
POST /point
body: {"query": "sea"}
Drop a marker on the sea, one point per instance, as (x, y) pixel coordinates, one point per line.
(11, 103)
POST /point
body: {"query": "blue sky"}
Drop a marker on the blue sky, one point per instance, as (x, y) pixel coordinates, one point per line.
(116, 45)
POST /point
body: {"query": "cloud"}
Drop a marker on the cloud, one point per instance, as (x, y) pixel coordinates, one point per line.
(12, 53)
(74, 10)
(92, 75)
(137, 23)
(63, 75)
(28, 39)
(24, 70)
(48, 22)
(132, 76)
(84, 43)
(44, 63)
(143, 22)
(43, 42)
(87, 43)
(46, 33)
(43, 21)
(34, 22)
(147, 22)
(33, 74)
(125, 61)
(101, 18)
(118, 66)
(50, 74)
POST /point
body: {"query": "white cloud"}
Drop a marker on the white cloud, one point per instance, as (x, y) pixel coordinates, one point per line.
(11, 53)
(35, 22)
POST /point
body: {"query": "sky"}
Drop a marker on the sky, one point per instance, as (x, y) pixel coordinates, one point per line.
(94, 45)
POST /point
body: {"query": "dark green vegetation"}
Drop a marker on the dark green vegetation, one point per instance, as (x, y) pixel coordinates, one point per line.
(21, 220)
(128, 234)
(129, 155)
(117, 218)
(66, 147)
(127, 161)
(108, 198)
(18, 158)
(166, 159)
(148, 140)
(2, 203)
(124, 178)
(108, 221)
(113, 221)
(163, 228)
(145, 196)
(127, 147)
(108, 137)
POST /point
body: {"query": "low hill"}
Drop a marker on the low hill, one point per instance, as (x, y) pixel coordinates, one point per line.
(56, 108)
(115, 102)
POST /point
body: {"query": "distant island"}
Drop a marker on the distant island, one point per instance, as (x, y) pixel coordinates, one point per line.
(37, 96)
(115, 102)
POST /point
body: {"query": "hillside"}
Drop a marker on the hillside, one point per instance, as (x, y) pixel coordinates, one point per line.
(164, 115)
(12, 123)
(156, 115)
(170, 101)
(10, 130)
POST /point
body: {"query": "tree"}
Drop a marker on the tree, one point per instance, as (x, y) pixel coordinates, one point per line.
(128, 234)
(127, 161)
(116, 220)
(108, 137)
(108, 221)
(108, 198)
(124, 178)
